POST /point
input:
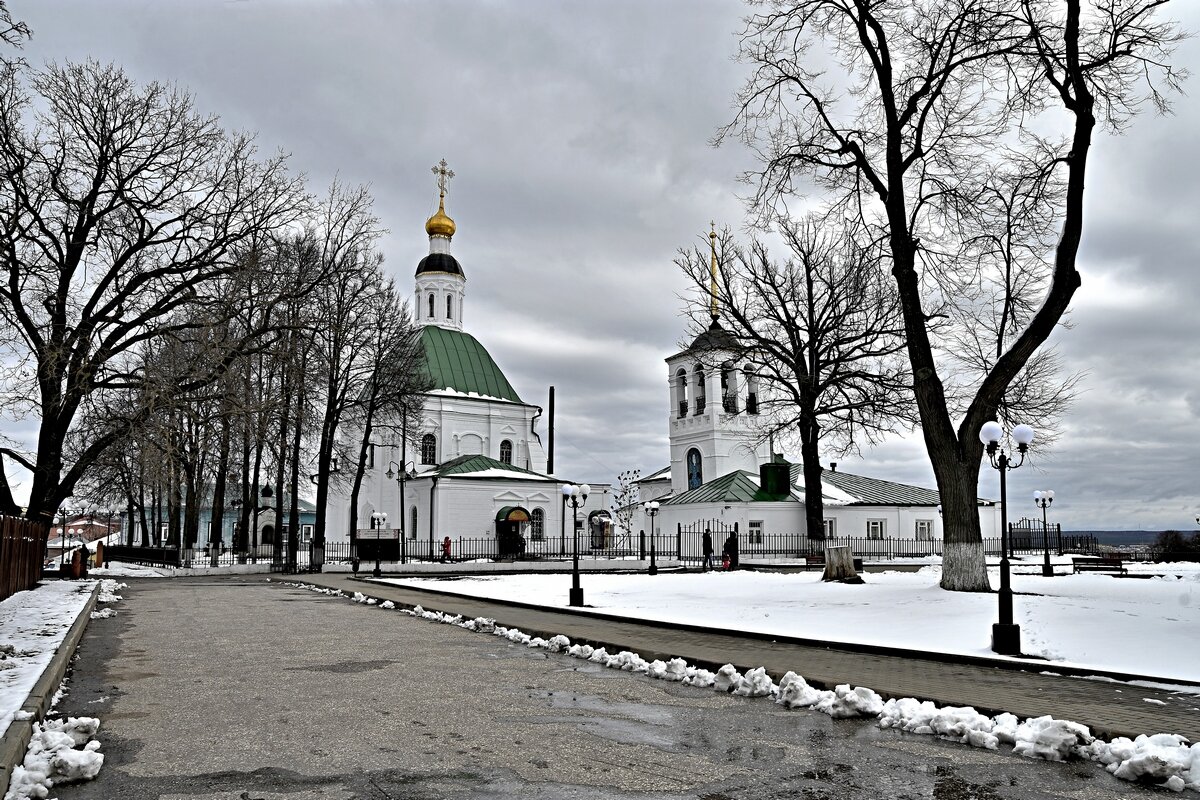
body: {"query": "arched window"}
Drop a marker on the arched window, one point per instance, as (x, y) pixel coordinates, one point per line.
(449, 306)
(751, 393)
(506, 451)
(681, 392)
(412, 528)
(695, 470)
(431, 305)
(429, 449)
(729, 398)
(700, 391)
(537, 524)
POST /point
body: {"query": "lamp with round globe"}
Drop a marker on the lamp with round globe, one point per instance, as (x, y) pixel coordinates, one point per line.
(1042, 499)
(378, 520)
(576, 496)
(1006, 635)
(651, 507)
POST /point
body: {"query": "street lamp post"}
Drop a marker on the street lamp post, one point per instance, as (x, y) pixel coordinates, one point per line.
(576, 496)
(400, 474)
(378, 518)
(1006, 635)
(651, 508)
(1043, 500)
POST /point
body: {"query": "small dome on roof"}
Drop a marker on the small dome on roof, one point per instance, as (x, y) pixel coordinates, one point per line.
(715, 338)
(439, 262)
(440, 223)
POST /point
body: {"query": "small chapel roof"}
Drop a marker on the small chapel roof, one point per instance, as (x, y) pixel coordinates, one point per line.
(457, 361)
(485, 467)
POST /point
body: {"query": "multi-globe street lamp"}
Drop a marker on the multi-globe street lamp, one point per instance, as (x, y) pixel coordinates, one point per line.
(1043, 499)
(576, 496)
(401, 473)
(378, 518)
(1006, 635)
(651, 508)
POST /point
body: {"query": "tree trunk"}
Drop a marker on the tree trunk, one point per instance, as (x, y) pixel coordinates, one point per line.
(814, 503)
(839, 565)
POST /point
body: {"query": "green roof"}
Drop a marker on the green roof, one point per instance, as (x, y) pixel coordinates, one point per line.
(457, 361)
(738, 486)
(466, 466)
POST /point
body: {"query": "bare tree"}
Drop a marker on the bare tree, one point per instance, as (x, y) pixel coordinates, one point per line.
(931, 100)
(821, 333)
(626, 495)
(123, 212)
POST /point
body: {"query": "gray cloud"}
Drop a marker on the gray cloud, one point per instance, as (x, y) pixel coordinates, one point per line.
(579, 134)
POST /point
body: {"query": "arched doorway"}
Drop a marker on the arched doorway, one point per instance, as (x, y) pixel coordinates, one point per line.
(510, 530)
(600, 529)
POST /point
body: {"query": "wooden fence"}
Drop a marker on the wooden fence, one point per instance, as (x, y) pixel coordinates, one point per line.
(22, 553)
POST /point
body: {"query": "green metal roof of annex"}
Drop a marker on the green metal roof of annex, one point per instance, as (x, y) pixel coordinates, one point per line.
(484, 468)
(458, 362)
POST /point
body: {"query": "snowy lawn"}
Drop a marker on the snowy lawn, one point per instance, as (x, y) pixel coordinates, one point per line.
(33, 625)
(1141, 625)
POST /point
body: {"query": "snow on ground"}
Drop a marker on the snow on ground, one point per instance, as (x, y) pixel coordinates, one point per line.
(1166, 760)
(1139, 625)
(33, 626)
(118, 569)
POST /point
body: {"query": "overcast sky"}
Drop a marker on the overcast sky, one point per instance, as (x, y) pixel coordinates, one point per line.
(580, 134)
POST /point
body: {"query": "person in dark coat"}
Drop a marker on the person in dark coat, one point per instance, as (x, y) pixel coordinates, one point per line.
(708, 550)
(731, 550)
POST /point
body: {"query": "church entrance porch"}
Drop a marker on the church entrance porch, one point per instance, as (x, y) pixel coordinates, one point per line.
(511, 524)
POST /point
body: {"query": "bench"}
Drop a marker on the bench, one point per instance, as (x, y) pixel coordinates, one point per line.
(1102, 564)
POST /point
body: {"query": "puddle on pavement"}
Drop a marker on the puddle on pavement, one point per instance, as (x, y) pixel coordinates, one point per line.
(630, 723)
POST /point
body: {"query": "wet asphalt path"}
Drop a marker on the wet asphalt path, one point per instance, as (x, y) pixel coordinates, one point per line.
(240, 689)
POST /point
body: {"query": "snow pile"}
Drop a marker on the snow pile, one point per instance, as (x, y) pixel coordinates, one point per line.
(727, 678)
(1051, 739)
(755, 683)
(844, 702)
(794, 692)
(103, 613)
(388, 604)
(108, 591)
(61, 751)
(1164, 758)
(961, 724)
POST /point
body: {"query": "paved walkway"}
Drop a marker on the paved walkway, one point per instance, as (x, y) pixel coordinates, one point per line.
(1110, 709)
(234, 688)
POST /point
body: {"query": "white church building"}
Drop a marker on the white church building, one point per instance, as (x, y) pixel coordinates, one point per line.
(722, 473)
(477, 470)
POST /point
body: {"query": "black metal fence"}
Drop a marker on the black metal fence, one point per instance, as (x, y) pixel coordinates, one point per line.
(684, 544)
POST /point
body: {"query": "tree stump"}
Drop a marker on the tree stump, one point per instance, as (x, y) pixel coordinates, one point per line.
(839, 565)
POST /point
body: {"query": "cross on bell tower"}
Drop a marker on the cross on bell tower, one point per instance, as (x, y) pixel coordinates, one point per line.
(441, 284)
(443, 176)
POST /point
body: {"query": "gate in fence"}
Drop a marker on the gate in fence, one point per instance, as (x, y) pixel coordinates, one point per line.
(689, 539)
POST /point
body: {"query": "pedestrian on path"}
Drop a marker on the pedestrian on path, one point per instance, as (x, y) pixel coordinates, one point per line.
(731, 550)
(446, 549)
(708, 550)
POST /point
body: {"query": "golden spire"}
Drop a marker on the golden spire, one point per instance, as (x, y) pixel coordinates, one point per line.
(440, 223)
(712, 271)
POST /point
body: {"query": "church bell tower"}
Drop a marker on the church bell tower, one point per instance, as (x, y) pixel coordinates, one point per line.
(714, 421)
(441, 285)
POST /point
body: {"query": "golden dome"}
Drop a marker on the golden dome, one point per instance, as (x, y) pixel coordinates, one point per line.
(440, 223)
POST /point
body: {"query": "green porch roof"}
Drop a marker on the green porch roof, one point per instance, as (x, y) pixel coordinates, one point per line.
(457, 361)
(472, 466)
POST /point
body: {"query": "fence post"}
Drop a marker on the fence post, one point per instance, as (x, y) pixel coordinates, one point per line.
(642, 543)
(679, 540)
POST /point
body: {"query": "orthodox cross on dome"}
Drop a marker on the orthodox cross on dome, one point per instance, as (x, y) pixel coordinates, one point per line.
(443, 176)
(712, 271)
